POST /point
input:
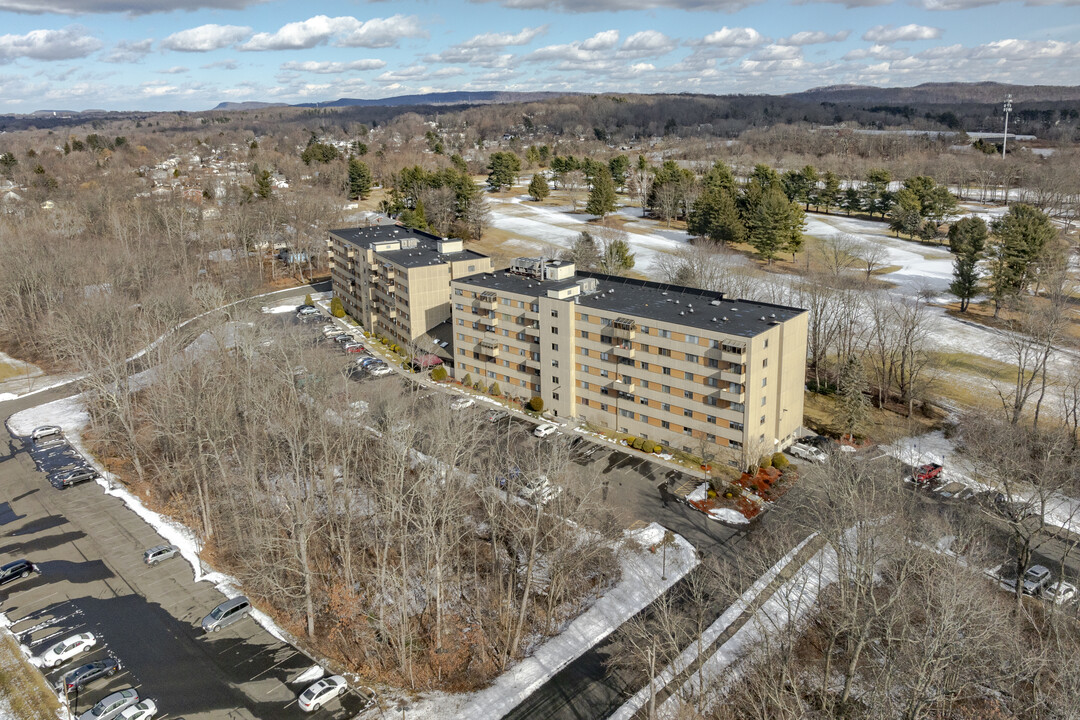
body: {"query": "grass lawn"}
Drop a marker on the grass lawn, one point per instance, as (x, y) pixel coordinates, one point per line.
(882, 426)
(23, 692)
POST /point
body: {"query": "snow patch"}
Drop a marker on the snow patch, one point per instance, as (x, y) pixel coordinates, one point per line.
(313, 673)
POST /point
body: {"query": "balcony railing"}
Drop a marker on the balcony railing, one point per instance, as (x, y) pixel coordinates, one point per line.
(487, 300)
(488, 347)
(624, 328)
(626, 350)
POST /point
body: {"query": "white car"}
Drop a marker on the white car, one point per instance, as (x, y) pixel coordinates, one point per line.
(64, 650)
(307, 310)
(461, 403)
(540, 490)
(143, 711)
(380, 370)
(808, 452)
(321, 692)
(1060, 593)
(544, 430)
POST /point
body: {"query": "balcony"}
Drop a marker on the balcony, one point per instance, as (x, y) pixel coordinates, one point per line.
(736, 358)
(732, 396)
(533, 365)
(390, 311)
(487, 300)
(623, 386)
(626, 350)
(731, 377)
(624, 328)
(490, 319)
(488, 347)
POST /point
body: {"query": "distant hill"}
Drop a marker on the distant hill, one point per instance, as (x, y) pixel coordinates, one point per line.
(939, 93)
(439, 98)
(246, 105)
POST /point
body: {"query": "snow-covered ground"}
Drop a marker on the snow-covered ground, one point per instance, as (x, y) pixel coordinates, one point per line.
(644, 578)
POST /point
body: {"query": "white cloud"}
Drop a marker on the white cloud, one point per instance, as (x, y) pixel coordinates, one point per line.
(205, 38)
(647, 43)
(129, 52)
(877, 52)
(408, 73)
(228, 64)
(175, 70)
(67, 44)
(969, 4)
(501, 40)
(131, 7)
(350, 32)
(886, 34)
(328, 68)
(777, 52)
(604, 40)
(446, 72)
(733, 37)
(609, 6)
(593, 49)
(813, 37)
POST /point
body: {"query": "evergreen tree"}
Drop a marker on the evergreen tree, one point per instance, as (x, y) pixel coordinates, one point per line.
(602, 195)
(538, 187)
(715, 216)
(616, 257)
(967, 240)
(618, 166)
(829, 193)
(776, 224)
(307, 300)
(263, 186)
(853, 407)
(1020, 237)
(359, 179)
(852, 200)
(876, 191)
(905, 214)
(720, 177)
(337, 309)
(504, 167)
(584, 252)
(809, 185)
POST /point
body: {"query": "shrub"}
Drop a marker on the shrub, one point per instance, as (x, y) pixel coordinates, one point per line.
(495, 389)
(779, 461)
(765, 462)
(336, 308)
(467, 380)
(536, 403)
(439, 374)
(648, 446)
(658, 449)
(479, 386)
(637, 443)
(307, 300)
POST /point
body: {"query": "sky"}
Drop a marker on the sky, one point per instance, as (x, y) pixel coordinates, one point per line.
(193, 54)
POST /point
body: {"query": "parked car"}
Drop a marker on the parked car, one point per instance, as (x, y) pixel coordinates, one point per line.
(495, 416)
(461, 403)
(539, 490)
(321, 692)
(62, 479)
(112, 705)
(1035, 579)
(88, 673)
(46, 436)
(226, 614)
(926, 473)
(307, 310)
(66, 649)
(160, 553)
(142, 711)
(542, 431)
(17, 570)
(1060, 593)
(808, 452)
(381, 369)
(354, 347)
(344, 338)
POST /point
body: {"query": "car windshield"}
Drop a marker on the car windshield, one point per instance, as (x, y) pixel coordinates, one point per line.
(216, 612)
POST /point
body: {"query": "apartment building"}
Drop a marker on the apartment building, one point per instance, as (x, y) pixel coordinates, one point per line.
(689, 368)
(396, 280)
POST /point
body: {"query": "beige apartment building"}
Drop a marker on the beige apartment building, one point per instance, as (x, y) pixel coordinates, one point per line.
(395, 280)
(688, 368)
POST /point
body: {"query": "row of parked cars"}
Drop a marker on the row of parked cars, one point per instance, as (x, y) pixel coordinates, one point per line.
(53, 454)
(1038, 581)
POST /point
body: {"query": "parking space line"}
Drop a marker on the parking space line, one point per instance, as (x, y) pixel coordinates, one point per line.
(294, 652)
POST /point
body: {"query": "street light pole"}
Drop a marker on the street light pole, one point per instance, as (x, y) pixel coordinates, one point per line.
(1005, 137)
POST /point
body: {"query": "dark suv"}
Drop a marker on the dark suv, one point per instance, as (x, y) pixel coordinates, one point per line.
(80, 677)
(15, 570)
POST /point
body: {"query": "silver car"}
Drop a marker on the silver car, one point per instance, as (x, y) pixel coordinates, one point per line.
(112, 705)
(226, 614)
(160, 553)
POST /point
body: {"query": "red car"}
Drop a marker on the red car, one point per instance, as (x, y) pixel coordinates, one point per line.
(355, 348)
(926, 473)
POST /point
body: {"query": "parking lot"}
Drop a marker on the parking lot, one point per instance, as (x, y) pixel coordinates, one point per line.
(88, 546)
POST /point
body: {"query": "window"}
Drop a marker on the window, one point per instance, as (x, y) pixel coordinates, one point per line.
(506, 302)
(766, 345)
(664, 333)
(461, 351)
(688, 375)
(643, 401)
(584, 368)
(554, 363)
(666, 388)
(584, 317)
(459, 291)
(627, 413)
(736, 426)
(555, 347)
(603, 406)
(712, 382)
(554, 330)
(690, 357)
(666, 407)
(521, 304)
(738, 407)
(584, 385)
(585, 334)
(554, 313)
(603, 373)
(554, 396)
(765, 363)
(665, 424)
(687, 412)
(692, 339)
(735, 444)
(584, 351)
(472, 268)
(709, 400)
(644, 383)
(764, 381)
(491, 374)
(555, 379)
(764, 401)
(734, 387)
(663, 352)
(475, 326)
(644, 366)
(535, 307)
(710, 419)
(762, 438)
(605, 322)
(506, 333)
(459, 306)
(644, 329)
(666, 371)
(688, 394)
(461, 336)
(762, 421)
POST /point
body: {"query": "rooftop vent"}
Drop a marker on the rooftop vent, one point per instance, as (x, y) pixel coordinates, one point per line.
(762, 318)
(772, 315)
(682, 312)
(725, 318)
(664, 293)
(715, 302)
(714, 319)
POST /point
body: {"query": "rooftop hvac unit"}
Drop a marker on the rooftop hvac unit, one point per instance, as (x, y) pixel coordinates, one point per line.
(588, 285)
(532, 267)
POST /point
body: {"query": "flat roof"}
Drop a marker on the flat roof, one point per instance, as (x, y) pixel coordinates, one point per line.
(424, 254)
(659, 302)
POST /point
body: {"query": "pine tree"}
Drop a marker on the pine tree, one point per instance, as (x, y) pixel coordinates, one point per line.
(359, 179)
(829, 194)
(307, 300)
(853, 407)
(602, 195)
(538, 187)
(715, 216)
(503, 167)
(852, 201)
(616, 257)
(775, 225)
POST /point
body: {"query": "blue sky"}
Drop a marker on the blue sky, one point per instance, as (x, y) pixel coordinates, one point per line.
(192, 54)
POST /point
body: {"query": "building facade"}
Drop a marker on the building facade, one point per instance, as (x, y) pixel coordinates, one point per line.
(688, 368)
(396, 281)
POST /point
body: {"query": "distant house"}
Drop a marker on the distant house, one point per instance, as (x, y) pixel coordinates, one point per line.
(292, 257)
